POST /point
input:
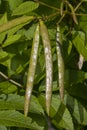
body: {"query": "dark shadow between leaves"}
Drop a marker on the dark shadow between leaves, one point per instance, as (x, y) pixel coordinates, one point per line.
(60, 112)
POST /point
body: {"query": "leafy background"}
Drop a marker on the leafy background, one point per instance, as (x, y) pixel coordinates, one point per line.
(15, 48)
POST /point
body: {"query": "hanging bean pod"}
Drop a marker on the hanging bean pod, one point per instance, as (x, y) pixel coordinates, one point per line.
(31, 71)
(15, 22)
(48, 61)
(60, 64)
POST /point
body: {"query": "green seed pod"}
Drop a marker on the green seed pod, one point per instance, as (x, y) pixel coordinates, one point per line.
(31, 71)
(15, 22)
(60, 64)
(49, 66)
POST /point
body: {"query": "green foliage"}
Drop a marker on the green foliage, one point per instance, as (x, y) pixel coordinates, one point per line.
(25, 7)
(14, 118)
(18, 23)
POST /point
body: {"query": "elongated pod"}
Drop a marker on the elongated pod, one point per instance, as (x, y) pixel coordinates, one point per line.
(48, 61)
(15, 22)
(60, 64)
(31, 71)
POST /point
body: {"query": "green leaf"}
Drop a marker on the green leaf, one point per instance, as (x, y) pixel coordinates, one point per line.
(7, 87)
(2, 21)
(14, 118)
(52, 33)
(3, 56)
(14, 101)
(82, 23)
(84, 0)
(11, 39)
(30, 32)
(18, 63)
(74, 76)
(78, 90)
(55, 87)
(25, 7)
(14, 4)
(60, 115)
(3, 127)
(79, 43)
(77, 110)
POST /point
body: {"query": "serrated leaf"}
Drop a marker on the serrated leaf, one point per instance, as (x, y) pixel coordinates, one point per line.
(13, 101)
(14, 118)
(60, 115)
(25, 7)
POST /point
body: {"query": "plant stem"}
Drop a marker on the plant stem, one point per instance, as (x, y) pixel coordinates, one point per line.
(49, 6)
(10, 80)
(78, 5)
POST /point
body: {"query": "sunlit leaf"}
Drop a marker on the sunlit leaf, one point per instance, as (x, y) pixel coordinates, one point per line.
(25, 7)
(14, 118)
(6, 87)
(11, 39)
(2, 21)
(14, 101)
(60, 115)
(14, 4)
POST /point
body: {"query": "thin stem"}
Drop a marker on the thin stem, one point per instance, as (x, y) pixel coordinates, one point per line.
(73, 12)
(81, 14)
(78, 5)
(10, 80)
(61, 19)
(52, 15)
(49, 6)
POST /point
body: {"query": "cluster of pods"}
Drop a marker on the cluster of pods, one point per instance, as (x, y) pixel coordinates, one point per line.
(42, 29)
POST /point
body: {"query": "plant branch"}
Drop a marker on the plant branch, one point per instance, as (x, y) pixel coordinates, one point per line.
(52, 15)
(10, 80)
(63, 12)
(78, 6)
(49, 6)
